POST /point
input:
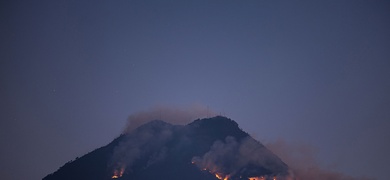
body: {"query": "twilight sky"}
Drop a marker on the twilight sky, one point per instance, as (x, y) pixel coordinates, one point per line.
(314, 72)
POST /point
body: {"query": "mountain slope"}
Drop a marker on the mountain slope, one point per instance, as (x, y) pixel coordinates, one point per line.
(207, 149)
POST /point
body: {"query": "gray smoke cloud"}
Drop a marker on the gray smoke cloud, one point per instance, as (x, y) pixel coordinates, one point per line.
(147, 132)
(301, 159)
(233, 157)
(228, 157)
(172, 115)
(140, 143)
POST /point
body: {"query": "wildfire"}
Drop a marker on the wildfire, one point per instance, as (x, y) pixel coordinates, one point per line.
(118, 173)
(214, 171)
(221, 177)
(227, 176)
(257, 178)
(262, 178)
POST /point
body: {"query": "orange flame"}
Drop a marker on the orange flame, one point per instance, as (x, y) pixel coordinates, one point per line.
(221, 177)
(118, 173)
(218, 175)
(261, 178)
(257, 178)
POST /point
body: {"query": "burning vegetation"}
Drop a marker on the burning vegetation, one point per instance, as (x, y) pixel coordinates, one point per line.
(118, 173)
(235, 176)
(242, 159)
(217, 148)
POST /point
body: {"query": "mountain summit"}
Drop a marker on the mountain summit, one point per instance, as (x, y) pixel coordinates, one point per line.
(206, 149)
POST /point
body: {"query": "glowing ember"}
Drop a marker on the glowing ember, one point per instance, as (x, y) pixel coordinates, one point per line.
(221, 177)
(218, 175)
(260, 178)
(118, 173)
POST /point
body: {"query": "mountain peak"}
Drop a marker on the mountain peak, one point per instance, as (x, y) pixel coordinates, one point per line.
(209, 149)
(154, 124)
(214, 121)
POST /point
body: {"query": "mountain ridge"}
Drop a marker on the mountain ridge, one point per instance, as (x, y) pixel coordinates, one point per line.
(203, 149)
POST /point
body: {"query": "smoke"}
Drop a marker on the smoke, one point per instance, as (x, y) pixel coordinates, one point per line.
(177, 116)
(301, 159)
(141, 143)
(228, 158)
(147, 132)
(247, 157)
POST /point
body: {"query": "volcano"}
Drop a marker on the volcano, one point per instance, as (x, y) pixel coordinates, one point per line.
(206, 149)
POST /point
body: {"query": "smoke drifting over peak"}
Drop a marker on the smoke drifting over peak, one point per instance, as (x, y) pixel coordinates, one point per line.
(172, 115)
(215, 144)
(301, 159)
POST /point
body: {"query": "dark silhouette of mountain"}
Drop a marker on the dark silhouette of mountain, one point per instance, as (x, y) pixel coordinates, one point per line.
(201, 150)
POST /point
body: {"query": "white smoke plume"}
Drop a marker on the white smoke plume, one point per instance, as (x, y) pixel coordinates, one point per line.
(172, 115)
(301, 159)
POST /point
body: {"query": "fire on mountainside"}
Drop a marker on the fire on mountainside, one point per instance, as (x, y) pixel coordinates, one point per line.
(222, 176)
(118, 173)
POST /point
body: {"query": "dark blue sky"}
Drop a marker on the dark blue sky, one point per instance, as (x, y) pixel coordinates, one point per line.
(304, 71)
